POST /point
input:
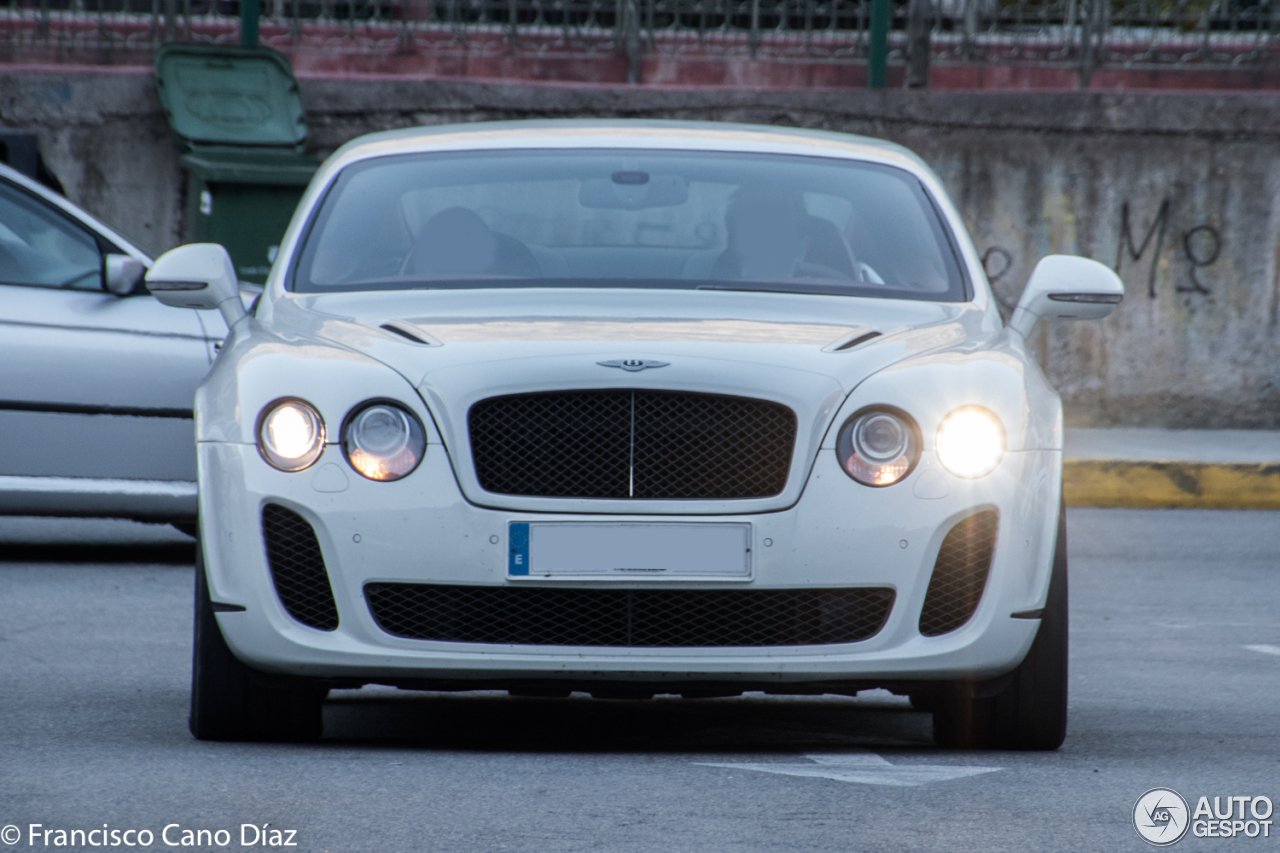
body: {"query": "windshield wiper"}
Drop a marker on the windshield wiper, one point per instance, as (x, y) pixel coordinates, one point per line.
(779, 287)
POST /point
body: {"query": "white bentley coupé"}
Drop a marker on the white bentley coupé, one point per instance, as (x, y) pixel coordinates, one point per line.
(628, 408)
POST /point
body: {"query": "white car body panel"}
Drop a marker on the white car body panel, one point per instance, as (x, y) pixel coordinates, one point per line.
(438, 525)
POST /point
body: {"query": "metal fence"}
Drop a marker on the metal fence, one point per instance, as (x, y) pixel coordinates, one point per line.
(1088, 33)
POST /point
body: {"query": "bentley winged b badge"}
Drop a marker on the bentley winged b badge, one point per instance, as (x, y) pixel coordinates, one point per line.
(632, 364)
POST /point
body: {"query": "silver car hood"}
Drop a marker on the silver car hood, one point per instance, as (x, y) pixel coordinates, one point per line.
(474, 344)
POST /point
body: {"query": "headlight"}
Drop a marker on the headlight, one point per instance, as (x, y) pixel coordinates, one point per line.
(383, 441)
(970, 442)
(878, 447)
(291, 435)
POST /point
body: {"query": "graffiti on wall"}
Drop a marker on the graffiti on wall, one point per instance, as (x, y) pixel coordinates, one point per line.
(1200, 247)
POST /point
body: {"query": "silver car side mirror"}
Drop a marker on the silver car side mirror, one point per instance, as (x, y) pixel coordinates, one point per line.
(200, 276)
(121, 274)
(1066, 287)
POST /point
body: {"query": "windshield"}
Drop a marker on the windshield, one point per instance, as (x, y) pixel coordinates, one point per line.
(622, 218)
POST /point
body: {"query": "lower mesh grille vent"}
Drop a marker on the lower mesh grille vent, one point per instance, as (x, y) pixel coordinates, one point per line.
(960, 574)
(297, 568)
(621, 617)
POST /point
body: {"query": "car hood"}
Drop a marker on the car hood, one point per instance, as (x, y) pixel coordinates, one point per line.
(460, 346)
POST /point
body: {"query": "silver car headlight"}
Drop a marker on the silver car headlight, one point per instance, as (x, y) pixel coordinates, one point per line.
(383, 441)
(290, 435)
(879, 446)
(971, 442)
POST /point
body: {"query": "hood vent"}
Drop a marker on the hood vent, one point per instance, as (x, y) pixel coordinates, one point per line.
(853, 342)
(415, 337)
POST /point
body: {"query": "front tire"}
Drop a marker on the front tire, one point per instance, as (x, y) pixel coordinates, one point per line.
(1030, 712)
(230, 701)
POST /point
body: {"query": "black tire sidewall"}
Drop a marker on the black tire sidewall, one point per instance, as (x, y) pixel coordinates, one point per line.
(1030, 713)
(232, 702)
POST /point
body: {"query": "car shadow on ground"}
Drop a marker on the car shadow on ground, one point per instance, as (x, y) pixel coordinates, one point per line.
(164, 554)
(497, 722)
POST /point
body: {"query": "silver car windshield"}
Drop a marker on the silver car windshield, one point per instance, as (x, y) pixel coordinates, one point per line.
(623, 218)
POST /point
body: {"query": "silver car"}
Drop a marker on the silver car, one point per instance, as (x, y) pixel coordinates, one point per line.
(98, 380)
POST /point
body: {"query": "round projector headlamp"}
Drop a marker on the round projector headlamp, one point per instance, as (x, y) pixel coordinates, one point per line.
(970, 442)
(291, 435)
(878, 447)
(383, 441)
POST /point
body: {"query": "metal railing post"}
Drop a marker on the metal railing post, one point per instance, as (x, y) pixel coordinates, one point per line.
(753, 38)
(1102, 30)
(250, 11)
(919, 31)
(878, 44)
(631, 39)
(1086, 42)
(971, 25)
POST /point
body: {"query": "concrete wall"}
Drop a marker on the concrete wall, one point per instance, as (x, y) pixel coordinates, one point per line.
(1179, 190)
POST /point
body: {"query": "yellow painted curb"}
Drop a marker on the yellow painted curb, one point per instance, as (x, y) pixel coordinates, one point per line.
(1115, 483)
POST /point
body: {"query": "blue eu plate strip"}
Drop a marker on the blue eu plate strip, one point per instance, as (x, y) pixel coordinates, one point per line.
(518, 536)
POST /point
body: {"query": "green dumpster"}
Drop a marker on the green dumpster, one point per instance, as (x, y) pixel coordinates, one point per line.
(237, 114)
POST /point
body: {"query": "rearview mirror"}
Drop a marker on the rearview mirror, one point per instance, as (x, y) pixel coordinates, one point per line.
(121, 274)
(200, 276)
(633, 191)
(1066, 287)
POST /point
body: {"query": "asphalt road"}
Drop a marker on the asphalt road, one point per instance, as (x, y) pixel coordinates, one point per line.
(1166, 691)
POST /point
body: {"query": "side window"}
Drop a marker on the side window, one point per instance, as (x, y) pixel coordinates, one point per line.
(41, 247)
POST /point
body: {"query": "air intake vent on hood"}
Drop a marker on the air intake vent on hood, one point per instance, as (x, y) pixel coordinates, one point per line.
(860, 339)
(416, 337)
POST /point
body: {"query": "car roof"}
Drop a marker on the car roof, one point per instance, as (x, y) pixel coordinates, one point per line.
(626, 133)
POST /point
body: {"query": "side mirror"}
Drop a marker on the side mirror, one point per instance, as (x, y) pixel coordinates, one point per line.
(200, 276)
(121, 274)
(1066, 287)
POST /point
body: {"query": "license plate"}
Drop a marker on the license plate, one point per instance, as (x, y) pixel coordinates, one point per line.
(631, 552)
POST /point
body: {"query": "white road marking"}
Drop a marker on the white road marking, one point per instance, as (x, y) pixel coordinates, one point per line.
(1265, 649)
(864, 768)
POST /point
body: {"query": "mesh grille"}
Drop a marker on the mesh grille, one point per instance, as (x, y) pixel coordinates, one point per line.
(960, 574)
(631, 444)
(297, 568)
(621, 617)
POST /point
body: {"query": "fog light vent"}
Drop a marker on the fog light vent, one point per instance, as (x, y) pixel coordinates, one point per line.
(297, 568)
(960, 574)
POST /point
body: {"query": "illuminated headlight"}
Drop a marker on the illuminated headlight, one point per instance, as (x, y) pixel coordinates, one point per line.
(970, 442)
(383, 441)
(291, 435)
(878, 447)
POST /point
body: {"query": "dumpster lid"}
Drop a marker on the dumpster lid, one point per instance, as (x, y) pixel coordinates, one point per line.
(230, 96)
